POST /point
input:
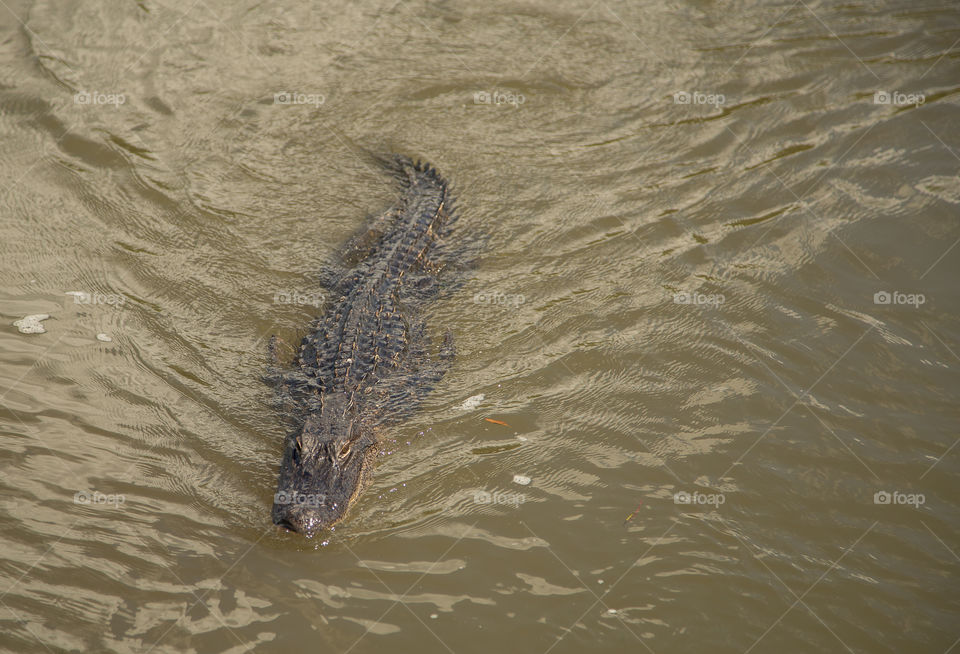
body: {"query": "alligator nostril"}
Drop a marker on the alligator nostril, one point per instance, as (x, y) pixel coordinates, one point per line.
(288, 524)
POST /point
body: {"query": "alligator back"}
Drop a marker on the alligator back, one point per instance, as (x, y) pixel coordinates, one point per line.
(363, 336)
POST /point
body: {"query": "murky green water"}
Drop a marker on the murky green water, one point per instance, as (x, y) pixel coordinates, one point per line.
(734, 444)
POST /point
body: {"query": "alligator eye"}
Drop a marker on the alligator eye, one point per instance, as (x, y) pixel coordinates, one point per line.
(345, 450)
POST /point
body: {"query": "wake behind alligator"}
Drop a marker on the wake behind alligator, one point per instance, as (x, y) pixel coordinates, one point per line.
(367, 361)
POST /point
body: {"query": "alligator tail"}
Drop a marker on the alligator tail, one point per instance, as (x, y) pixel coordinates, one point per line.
(409, 172)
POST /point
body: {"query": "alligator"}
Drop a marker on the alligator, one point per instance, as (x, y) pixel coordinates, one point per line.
(367, 360)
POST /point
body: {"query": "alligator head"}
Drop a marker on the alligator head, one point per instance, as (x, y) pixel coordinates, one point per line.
(324, 468)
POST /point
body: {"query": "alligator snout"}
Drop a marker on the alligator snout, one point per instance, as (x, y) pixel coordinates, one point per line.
(297, 524)
(303, 514)
(300, 523)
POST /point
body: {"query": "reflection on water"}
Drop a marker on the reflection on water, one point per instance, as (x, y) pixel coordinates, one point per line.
(713, 325)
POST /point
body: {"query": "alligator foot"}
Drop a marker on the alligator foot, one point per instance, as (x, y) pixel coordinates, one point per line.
(273, 349)
(279, 376)
(433, 370)
(333, 279)
(363, 244)
(419, 287)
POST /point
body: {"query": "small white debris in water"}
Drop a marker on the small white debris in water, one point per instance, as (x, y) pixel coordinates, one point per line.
(31, 324)
(611, 611)
(522, 480)
(471, 402)
(433, 616)
(521, 438)
(599, 581)
(104, 338)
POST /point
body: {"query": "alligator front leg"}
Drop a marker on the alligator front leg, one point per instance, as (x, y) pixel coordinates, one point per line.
(282, 379)
(363, 244)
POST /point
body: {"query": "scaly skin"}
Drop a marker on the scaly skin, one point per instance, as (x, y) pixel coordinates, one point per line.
(364, 362)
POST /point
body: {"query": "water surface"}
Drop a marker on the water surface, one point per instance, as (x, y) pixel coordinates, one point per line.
(688, 210)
